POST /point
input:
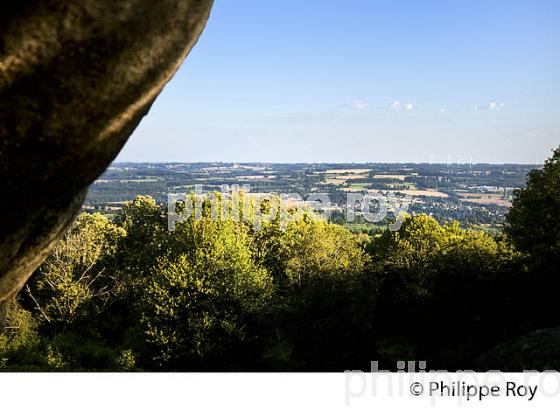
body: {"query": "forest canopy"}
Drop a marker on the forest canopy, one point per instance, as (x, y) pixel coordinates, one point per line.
(129, 294)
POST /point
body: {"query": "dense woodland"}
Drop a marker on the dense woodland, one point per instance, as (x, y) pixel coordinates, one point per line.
(129, 294)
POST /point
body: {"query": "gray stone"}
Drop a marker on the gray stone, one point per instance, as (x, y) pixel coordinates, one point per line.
(539, 350)
(76, 78)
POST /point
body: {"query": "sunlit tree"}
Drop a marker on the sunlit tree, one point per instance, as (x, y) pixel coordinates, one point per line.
(79, 276)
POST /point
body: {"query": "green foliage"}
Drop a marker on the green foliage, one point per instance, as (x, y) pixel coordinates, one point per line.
(429, 253)
(220, 294)
(70, 351)
(316, 250)
(533, 222)
(146, 237)
(325, 295)
(77, 277)
(199, 302)
(19, 340)
(533, 226)
(445, 283)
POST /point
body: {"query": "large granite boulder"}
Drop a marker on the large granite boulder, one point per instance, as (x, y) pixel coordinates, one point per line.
(76, 78)
(539, 350)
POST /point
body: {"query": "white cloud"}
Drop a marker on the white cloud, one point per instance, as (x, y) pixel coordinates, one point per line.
(493, 105)
(442, 110)
(397, 105)
(359, 104)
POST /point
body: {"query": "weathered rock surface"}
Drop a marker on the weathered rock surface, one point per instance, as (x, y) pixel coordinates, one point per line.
(539, 350)
(76, 78)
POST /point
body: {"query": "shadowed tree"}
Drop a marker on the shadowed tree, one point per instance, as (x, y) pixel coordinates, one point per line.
(533, 222)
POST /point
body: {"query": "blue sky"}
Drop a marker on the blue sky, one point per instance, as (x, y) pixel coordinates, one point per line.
(363, 81)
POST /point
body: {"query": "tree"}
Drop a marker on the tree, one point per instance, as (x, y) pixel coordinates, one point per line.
(324, 321)
(444, 283)
(312, 251)
(19, 339)
(147, 236)
(533, 226)
(79, 274)
(200, 301)
(533, 222)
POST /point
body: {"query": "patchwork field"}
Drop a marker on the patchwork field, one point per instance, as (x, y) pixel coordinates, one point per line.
(484, 199)
(347, 171)
(481, 192)
(399, 177)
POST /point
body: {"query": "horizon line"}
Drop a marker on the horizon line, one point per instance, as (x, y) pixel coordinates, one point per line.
(324, 163)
